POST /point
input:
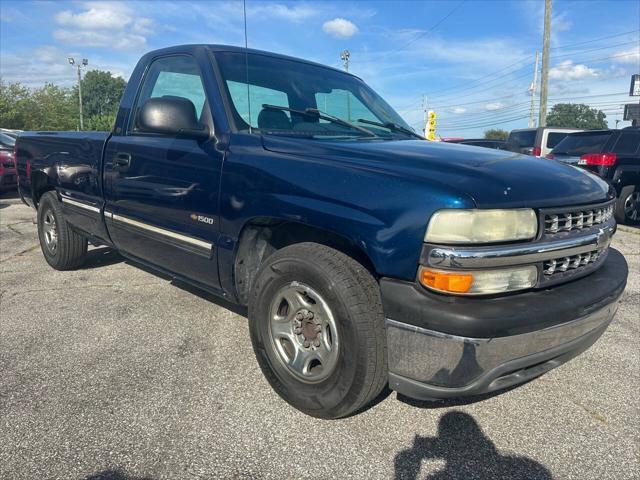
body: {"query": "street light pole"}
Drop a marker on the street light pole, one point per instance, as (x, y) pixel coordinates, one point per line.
(79, 65)
(344, 56)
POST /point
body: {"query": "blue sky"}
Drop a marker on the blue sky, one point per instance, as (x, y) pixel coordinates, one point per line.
(473, 59)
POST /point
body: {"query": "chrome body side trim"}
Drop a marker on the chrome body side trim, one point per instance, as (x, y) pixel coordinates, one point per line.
(451, 361)
(78, 204)
(509, 255)
(159, 231)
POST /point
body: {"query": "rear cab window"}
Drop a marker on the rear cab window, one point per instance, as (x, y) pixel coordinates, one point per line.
(522, 139)
(577, 144)
(553, 138)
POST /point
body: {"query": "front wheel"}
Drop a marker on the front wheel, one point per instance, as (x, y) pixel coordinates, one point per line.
(317, 329)
(62, 247)
(628, 205)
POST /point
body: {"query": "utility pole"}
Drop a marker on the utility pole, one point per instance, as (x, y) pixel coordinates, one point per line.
(424, 115)
(532, 90)
(344, 56)
(79, 65)
(544, 83)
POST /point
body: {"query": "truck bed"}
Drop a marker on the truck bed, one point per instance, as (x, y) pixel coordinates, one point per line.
(65, 160)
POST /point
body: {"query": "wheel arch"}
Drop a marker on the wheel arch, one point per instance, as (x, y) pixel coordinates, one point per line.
(262, 236)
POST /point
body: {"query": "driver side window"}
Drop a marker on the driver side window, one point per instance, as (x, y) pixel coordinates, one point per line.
(175, 76)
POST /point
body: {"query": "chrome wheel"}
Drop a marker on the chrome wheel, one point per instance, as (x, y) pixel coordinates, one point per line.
(303, 332)
(50, 231)
(632, 206)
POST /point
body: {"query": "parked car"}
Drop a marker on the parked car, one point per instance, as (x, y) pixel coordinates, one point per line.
(537, 141)
(366, 255)
(615, 156)
(8, 177)
(481, 142)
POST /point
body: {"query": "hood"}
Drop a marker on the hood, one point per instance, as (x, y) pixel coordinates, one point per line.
(493, 178)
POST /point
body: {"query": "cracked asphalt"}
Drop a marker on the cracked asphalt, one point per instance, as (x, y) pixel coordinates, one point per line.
(111, 372)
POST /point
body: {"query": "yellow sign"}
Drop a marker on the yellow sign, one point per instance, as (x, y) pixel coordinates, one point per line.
(431, 125)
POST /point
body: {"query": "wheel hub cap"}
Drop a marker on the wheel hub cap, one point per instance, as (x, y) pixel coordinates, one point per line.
(303, 332)
(50, 230)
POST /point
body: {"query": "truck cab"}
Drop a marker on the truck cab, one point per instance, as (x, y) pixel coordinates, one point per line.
(365, 255)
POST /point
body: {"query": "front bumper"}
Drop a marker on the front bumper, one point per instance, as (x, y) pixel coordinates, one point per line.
(441, 346)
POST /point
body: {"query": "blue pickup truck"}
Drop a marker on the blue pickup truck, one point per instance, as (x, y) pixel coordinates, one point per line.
(366, 256)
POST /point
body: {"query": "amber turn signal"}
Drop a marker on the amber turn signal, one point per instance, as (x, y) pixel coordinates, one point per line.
(446, 281)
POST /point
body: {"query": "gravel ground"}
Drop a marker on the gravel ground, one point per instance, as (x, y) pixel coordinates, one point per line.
(111, 372)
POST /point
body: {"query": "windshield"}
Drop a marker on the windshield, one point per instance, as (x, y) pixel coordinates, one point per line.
(578, 144)
(299, 86)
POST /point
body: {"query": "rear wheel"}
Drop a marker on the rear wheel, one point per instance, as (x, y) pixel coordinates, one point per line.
(62, 247)
(628, 205)
(317, 329)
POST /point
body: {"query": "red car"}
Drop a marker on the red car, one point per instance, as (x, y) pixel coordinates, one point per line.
(8, 175)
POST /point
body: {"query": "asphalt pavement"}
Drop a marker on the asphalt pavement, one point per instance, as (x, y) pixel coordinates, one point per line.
(112, 372)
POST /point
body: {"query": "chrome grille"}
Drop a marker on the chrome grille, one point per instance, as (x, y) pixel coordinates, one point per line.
(577, 219)
(563, 264)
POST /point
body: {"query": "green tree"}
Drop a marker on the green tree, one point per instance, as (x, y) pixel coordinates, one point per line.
(51, 108)
(101, 93)
(576, 115)
(100, 122)
(14, 103)
(496, 134)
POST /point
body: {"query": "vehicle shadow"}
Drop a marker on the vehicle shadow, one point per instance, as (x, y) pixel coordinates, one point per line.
(101, 257)
(114, 475)
(467, 453)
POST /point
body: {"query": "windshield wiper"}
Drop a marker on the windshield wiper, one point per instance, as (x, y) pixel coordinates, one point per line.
(391, 126)
(314, 112)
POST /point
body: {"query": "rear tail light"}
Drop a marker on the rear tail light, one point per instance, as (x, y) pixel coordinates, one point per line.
(598, 159)
(536, 152)
(550, 156)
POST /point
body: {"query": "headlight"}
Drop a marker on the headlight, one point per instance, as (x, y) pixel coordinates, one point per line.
(479, 282)
(481, 226)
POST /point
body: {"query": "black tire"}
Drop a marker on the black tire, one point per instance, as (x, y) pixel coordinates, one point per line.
(627, 206)
(70, 247)
(353, 295)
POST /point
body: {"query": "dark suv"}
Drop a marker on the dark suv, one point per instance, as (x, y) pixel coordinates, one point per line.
(615, 156)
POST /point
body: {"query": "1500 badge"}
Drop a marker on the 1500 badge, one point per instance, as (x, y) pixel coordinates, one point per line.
(202, 218)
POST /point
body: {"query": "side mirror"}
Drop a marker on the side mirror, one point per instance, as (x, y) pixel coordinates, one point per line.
(171, 116)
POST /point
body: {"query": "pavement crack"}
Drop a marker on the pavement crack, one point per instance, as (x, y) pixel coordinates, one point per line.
(19, 254)
(12, 228)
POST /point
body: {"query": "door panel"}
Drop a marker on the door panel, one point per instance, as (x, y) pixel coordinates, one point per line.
(164, 205)
(162, 191)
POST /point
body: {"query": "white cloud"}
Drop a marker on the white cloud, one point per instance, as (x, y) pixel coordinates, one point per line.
(104, 24)
(458, 110)
(97, 16)
(122, 41)
(340, 28)
(294, 13)
(628, 57)
(567, 70)
(48, 63)
(494, 106)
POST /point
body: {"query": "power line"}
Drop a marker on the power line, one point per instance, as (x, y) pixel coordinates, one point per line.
(518, 62)
(595, 40)
(420, 35)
